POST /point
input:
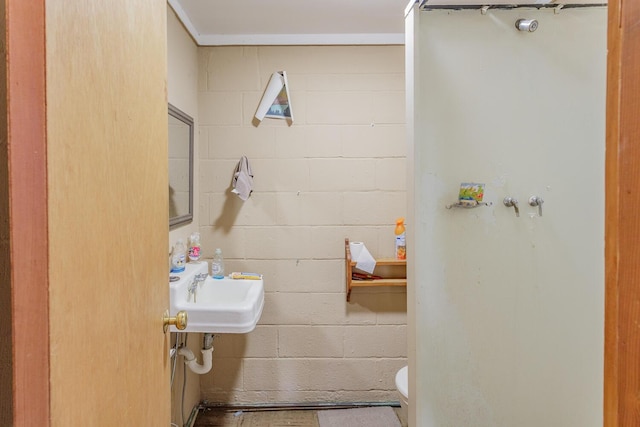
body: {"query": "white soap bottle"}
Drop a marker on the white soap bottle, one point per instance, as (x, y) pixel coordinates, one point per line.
(178, 257)
(217, 265)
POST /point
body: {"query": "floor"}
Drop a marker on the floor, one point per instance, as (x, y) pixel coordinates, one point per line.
(213, 417)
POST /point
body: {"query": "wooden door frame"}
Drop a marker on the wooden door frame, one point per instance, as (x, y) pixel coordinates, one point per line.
(622, 228)
(26, 100)
(24, 130)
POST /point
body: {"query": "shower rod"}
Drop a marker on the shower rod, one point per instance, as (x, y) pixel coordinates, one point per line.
(478, 4)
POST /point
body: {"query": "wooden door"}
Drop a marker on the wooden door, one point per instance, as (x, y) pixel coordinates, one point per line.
(108, 212)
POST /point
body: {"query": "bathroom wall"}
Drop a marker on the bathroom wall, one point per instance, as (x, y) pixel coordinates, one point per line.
(509, 310)
(182, 92)
(337, 172)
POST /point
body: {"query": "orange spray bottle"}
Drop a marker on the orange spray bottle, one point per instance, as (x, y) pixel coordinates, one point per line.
(401, 241)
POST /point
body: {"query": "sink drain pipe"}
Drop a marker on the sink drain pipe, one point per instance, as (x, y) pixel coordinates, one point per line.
(207, 356)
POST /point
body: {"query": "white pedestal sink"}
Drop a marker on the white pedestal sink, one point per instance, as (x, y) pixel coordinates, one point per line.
(217, 305)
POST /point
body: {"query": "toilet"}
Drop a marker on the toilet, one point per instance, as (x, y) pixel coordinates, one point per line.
(402, 384)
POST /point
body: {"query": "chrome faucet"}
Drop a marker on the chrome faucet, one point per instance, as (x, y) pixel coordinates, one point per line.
(193, 286)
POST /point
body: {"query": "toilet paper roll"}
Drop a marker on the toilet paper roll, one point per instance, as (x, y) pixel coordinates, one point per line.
(362, 257)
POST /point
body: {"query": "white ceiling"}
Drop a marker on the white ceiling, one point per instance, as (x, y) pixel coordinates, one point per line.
(311, 22)
(295, 22)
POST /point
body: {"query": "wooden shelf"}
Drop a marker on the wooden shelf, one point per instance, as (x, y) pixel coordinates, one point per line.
(399, 267)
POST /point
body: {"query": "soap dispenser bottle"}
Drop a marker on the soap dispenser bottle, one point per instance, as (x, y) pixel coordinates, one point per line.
(194, 246)
(178, 257)
(217, 265)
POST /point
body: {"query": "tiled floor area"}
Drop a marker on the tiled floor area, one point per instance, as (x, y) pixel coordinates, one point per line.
(226, 418)
(212, 417)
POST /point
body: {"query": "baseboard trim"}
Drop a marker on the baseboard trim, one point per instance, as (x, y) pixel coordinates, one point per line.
(292, 406)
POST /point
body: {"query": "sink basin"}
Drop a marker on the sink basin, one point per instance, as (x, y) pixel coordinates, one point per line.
(220, 306)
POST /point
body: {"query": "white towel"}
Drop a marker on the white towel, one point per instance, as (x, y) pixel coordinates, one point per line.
(242, 179)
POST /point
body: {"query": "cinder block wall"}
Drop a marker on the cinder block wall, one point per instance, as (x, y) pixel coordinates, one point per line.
(338, 171)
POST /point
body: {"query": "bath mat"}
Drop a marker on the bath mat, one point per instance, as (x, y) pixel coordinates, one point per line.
(378, 416)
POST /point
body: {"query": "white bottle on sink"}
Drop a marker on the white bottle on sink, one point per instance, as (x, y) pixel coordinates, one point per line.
(217, 265)
(178, 257)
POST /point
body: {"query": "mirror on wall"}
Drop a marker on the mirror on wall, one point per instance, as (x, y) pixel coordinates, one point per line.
(180, 167)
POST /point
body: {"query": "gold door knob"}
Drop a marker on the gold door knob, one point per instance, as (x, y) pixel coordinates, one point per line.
(179, 321)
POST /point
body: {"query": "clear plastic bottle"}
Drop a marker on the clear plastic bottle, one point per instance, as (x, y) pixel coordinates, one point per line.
(178, 257)
(194, 246)
(401, 242)
(217, 265)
